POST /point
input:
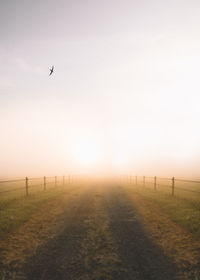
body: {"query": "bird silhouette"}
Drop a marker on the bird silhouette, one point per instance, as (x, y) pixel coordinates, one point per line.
(51, 70)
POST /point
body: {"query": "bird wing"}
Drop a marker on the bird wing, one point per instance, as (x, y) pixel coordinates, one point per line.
(51, 70)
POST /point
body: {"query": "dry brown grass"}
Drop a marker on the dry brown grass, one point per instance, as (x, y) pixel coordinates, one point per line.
(43, 225)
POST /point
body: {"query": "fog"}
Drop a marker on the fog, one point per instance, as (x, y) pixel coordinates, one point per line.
(124, 96)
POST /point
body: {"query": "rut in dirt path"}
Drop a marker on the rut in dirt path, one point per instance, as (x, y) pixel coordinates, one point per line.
(61, 257)
(141, 258)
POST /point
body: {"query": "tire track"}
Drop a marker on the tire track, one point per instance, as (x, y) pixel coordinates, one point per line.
(62, 257)
(142, 258)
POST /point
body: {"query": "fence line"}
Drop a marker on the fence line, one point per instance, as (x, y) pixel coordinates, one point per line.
(172, 183)
(44, 181)
(12, 181)
(13, 190)
(69, 179)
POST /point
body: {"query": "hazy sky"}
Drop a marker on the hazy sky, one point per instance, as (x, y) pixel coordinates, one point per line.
(125, 94)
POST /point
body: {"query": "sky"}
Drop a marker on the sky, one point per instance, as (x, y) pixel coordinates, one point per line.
(124, 96)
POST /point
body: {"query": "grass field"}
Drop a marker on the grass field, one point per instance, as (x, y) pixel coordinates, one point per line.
(103, 228)
(16, 208)
(183, 208)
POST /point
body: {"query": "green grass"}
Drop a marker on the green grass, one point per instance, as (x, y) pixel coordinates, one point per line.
(17, 209)
(183, 208)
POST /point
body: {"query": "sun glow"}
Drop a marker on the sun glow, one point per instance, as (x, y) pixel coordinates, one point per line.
(85, 152)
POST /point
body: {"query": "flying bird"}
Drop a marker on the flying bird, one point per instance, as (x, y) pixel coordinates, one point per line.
(51, 70)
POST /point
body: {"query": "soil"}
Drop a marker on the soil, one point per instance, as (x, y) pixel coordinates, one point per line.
(97, 234)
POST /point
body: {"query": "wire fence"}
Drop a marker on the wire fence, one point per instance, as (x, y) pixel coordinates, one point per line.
(29, 185)
(174, 186)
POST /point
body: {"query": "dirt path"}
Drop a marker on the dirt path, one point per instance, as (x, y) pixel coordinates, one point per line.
(101, 238)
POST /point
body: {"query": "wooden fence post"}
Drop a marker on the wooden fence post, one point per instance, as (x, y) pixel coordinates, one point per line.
(55, 181)
(143, 181)
(154, 183)
(44, 183)
(63, 180)
(26, 186)
(173, 185)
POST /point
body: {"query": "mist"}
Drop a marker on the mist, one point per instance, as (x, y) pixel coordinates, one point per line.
(124, 96)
